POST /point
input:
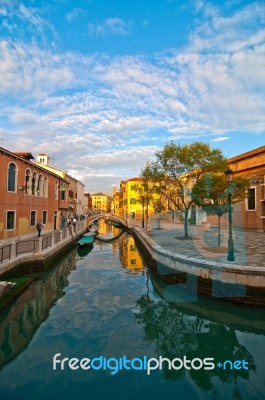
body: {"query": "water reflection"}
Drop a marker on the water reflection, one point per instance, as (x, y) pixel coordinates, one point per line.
(175, 334)
(20, 321)
(109, 308)
(130, 257)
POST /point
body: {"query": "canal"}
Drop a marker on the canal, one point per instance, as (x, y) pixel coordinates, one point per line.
(106, 305)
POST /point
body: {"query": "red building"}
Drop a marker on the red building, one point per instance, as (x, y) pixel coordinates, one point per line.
(251, 165)
(28, 194)
(250, 213)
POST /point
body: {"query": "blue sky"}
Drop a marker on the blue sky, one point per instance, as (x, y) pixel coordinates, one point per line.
(100, 85)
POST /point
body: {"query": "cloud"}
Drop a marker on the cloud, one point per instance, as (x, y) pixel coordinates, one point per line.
(74, 14)
(110, 26)
(32, 70)
(220, 139)
(103, 112)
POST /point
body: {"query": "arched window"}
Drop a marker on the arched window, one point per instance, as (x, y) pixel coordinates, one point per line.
(40, 185)
(12, 178)
(35, 184)
(28, 182)
(56, 189)
(45, 187)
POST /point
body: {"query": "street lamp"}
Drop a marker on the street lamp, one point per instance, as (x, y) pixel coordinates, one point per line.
(229, 179)
(147, 194)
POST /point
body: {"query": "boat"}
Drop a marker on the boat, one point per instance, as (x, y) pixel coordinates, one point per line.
(86, 240)
(116, 224)
(83, 251)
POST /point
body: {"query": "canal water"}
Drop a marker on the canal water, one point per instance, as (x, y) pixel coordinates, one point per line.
(105, 304)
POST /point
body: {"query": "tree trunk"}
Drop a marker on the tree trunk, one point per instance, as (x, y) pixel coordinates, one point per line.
(186, 234)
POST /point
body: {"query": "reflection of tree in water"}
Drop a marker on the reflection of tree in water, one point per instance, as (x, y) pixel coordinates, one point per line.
(176, 334)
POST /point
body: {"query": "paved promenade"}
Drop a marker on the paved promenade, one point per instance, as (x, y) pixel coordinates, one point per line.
(203, 243)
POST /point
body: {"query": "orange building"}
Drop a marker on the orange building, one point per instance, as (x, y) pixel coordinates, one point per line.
(29, 194)
(88, 203)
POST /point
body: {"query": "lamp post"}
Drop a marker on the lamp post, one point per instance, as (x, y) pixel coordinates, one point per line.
(229, 179)
(147, 196)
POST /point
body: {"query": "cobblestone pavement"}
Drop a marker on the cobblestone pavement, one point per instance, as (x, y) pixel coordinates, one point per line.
(203, 243)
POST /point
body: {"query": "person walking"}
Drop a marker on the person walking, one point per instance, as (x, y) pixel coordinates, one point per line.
(39, 227)
(74, 223)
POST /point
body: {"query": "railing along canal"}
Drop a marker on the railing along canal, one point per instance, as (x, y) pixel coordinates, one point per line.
(5, 252)
(27, 246)
(46, 242)
(36, 245)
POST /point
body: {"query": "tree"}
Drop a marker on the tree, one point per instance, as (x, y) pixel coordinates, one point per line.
(211, 193)
(177, 168)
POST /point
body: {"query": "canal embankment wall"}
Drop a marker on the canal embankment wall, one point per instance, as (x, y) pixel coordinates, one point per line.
(234, 282)
(37, 253)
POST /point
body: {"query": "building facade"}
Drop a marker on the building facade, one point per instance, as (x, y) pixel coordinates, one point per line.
(88, 204)
(76, 189)
(29, 194)
(251, 165)
(101, 202)
(136, 202)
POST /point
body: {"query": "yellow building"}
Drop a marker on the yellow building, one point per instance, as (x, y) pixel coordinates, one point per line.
(101, 202)
(116, 206)
(136, 201)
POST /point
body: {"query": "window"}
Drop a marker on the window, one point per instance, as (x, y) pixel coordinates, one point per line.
(44, 217)
(33, 218)
(11, 183)
(28, 182)
(133, 187)
(133, 201)
(35, 184)
(41, 185)
(56, 190)
(45, 187)
(251, 200)
(63, 195)
(10, 220)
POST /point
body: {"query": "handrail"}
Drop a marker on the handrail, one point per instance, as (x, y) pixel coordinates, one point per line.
(37, 244)
(2, 249)
(27, 246)
(46, 242)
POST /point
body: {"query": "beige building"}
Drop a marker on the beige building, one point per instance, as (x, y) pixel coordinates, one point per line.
(76, 193)
(101, 202)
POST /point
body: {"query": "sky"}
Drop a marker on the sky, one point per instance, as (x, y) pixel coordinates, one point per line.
(101, 85)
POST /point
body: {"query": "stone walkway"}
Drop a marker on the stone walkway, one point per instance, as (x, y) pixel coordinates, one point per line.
(203, 243)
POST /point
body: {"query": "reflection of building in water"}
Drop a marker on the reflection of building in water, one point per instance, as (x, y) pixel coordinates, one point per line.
(129, 255)
(31, 309)
(106, 228)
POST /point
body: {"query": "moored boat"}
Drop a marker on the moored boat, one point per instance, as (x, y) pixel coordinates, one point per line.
(86, 240)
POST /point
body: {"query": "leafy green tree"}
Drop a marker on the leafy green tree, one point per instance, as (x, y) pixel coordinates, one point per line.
(211, 193)
(177, 168)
